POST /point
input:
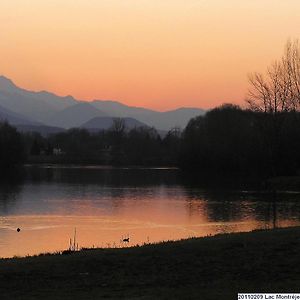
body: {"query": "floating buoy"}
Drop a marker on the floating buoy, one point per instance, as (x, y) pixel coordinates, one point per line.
(18, 229)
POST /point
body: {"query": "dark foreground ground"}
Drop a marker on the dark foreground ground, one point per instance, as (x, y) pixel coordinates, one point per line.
(206, 268)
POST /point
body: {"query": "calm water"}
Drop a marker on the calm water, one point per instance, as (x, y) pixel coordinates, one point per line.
(148, 205)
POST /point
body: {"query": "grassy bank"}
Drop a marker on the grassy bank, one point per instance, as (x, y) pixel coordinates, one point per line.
(205, 268)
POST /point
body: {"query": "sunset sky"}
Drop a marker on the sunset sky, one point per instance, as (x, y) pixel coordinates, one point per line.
(159, 54)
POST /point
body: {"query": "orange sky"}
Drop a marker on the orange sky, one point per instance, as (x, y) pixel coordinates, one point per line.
(154, 53)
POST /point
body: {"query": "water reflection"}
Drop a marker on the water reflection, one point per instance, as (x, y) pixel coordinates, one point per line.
(105, 176)
(147, 204)
(8, 197)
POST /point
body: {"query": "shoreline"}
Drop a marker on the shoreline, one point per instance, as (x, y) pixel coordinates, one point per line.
(278, 183)
(96, 166)
(159, 244)
(197, 268)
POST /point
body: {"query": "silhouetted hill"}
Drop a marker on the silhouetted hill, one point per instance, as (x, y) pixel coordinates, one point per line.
(117, 109)
(160, 120)
(14, 118)
(75, 115)
(107, 122)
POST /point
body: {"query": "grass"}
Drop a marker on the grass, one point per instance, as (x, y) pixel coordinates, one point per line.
(206, 268)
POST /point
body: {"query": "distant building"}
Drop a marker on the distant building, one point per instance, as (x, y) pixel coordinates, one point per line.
(57, 151)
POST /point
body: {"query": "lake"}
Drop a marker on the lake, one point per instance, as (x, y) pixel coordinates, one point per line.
(107, 205)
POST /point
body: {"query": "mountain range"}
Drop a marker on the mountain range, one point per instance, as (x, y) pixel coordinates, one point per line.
(34, 110)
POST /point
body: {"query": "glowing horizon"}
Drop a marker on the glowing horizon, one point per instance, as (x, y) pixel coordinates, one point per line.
(155, 54)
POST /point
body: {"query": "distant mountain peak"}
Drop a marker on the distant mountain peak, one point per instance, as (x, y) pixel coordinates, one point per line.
(75, 115)
(6, 84)
(103, 123)
(69, 97)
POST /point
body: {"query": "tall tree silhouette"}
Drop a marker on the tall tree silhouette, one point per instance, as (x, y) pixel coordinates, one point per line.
(117, 133)
(11, 147)
(274, 94)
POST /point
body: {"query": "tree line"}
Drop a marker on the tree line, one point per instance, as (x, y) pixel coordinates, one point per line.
(226, 139)
(229, 139)
(116, 146)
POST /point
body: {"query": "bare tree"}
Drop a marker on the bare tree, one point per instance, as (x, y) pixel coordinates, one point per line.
(291, 67)
(279, 89)
(274, 93)
(118, 126)
(117, 132)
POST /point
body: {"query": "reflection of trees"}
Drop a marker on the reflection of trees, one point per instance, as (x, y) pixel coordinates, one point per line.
(274, 208)
(201, 179)
(278, 207)
(216, 201)
(104, 176)
(227, 205)
(40, 174)
(217, 206)
(283, 206)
